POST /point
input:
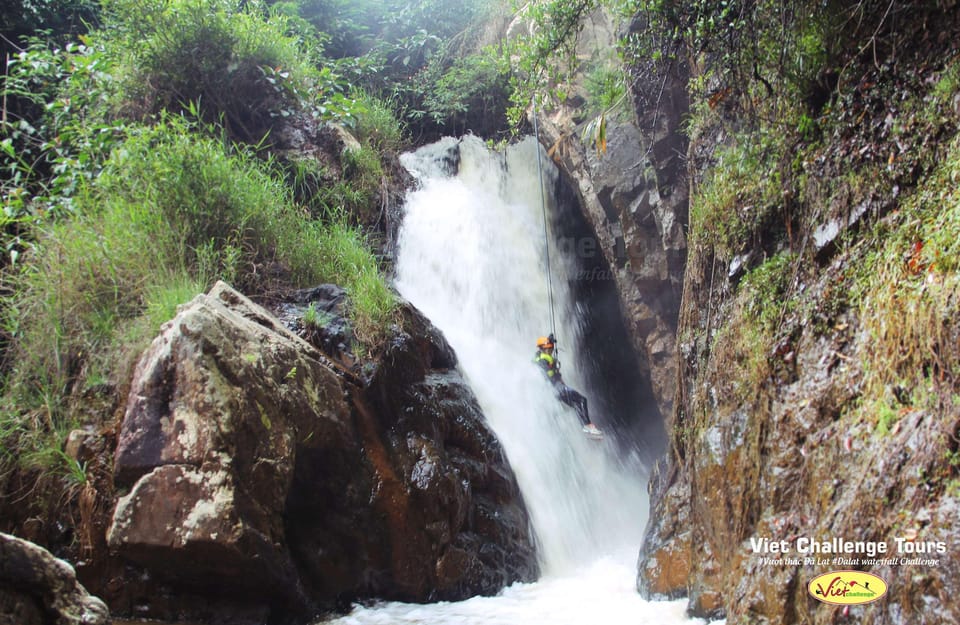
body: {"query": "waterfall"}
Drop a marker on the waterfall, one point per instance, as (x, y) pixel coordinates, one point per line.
(471, 257)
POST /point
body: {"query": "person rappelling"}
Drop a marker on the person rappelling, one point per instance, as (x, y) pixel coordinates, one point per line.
(550, 365)
(545, 357)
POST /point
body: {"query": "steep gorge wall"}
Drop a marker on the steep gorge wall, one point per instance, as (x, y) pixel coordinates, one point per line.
(796, 417)
(809, 376)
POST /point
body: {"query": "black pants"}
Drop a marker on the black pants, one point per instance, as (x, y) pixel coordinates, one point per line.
(573, 399)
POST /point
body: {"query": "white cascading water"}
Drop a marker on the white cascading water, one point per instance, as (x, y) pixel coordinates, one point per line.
(471, 257)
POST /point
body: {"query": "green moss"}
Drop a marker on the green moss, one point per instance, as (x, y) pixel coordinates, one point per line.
(908, 288)
(740, 191)
(947, 87)
(765, 291)
(886, 417)
(744, 346)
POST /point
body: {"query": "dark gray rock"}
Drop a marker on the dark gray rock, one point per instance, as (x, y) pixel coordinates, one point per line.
(37, 588)
(260, 476)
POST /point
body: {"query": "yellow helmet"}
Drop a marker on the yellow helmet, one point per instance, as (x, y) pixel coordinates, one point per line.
(544, 342)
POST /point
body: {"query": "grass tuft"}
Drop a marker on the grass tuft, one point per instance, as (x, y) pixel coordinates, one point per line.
(909, 290)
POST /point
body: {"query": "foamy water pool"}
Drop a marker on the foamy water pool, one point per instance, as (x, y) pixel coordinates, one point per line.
(602, 593)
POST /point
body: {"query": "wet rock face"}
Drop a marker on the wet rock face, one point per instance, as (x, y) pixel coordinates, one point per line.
(771, 439)
(330, 331)
(634, 197)
(461, 486)
(775, 457)
(37, 588)
(785, 436)
(668, 548)
(440, 511)
(644, 212)
(258, 476)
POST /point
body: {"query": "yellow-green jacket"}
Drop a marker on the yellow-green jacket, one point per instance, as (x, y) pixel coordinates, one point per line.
(549, 365)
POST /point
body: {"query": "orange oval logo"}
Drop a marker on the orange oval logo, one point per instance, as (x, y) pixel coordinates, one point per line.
(847, 587)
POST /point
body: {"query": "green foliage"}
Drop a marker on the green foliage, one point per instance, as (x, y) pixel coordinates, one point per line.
(169, 214)
(925, 116)
(744, 345)
(766, 290)
(606, 87)
(653, 48)
(363, 168)
(162, 297)
(397, 50)
(886, 417)
(468, 92)
(231, 60)
(907, 290)
(306, 178)
(345, 258)
(357, 194)
(607, 92)
(195, 202)
(377, 125)
(398, 28)
(739, 193)
(762, 62)
(540, 64)
(948, 85)
(340, 20)
(109, 224)
(55, 136)
(354, 196)
(769, 49)
(58, 19)
(313, 318)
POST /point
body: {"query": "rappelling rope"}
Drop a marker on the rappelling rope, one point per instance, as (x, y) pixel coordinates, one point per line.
(546, 234)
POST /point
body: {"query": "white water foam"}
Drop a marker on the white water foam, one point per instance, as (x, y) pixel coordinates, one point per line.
(600, 593)
(471, 257)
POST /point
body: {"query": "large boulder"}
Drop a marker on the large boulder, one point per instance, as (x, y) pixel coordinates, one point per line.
(262, 475)
(37, 588)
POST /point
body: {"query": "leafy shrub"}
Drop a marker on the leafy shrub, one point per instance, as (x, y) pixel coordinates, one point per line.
(540, 63)
(57, 133)
(234, 62)
(471, 94)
